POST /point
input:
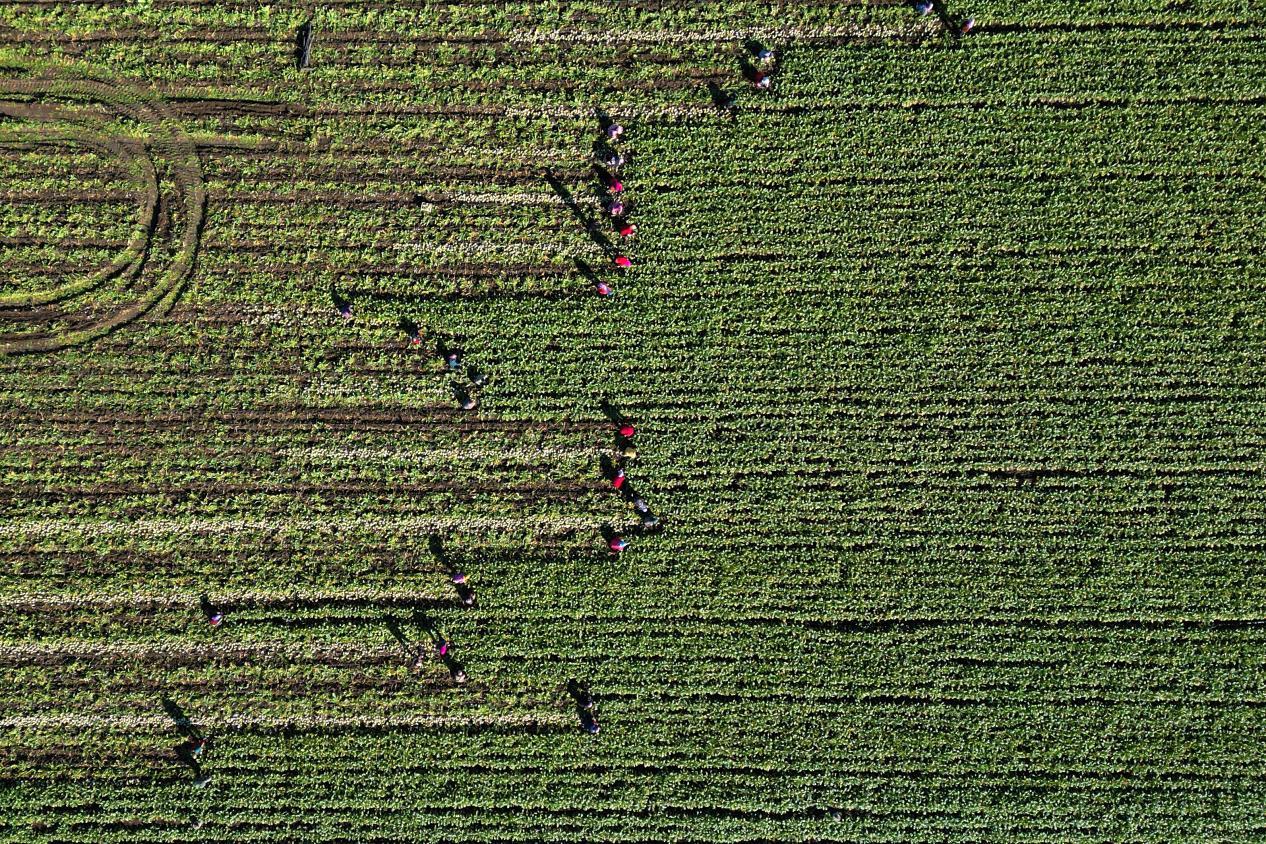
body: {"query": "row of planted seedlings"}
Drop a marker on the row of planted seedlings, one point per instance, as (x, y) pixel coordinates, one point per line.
(287, 678)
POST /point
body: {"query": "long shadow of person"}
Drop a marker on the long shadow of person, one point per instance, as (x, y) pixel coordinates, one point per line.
(606, 154)
(612, 412)
(303, 45)
(463, 397)
(586, 708)
(397, 632)
(180, 720)
(582, 266)
(455, 669)
(410, 328)
(721, 99)
(607, 468)
(606, 180)
(435, 544)
(449, 352)
(193, 742)
(569, 201)
(341, 303)
(604, 120)
(213, 614)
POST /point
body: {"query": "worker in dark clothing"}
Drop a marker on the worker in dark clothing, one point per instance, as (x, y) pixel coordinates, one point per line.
(649, 520)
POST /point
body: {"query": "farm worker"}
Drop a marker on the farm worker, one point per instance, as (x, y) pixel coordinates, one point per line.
(442, 649)
(345, 308)
(623, 262)
(618, 544)
(589, 722)
(614, 131)
(628, 451)
(604, 289)
(762, 81)
(924, 7)
(478, 378)
(468, 597)
(627, 431)
(614, 160)
(644, 510)
(216, 618)
(616, 186)
(968, 26)
(459, 676)
(469, 403)
(198, 747)
(627, 230)
(765, 55)
(453, 360)
(458, 578)
(615, 208)
(415, 339)
(618, 480)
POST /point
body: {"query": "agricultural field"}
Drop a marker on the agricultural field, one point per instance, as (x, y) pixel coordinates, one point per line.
(943, 355)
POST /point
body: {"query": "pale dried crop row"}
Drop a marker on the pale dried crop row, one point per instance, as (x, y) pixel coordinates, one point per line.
(251, 723)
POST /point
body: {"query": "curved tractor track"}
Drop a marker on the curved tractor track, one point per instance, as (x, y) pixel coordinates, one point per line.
(51, 103)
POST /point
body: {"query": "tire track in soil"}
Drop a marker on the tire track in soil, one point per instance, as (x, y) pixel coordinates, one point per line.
(65, 82)
(127, 265)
